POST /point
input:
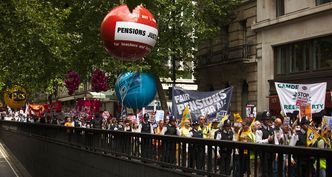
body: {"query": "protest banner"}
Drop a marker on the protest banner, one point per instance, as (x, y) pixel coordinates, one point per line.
(305, 98)
(201, 103)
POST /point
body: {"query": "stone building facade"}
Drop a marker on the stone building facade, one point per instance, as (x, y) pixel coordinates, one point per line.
(295, 46)
(231, 59)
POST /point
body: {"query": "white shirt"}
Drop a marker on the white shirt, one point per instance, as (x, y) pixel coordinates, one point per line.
(279, 137)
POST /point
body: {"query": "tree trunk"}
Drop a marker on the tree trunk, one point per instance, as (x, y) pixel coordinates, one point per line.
(162, 96)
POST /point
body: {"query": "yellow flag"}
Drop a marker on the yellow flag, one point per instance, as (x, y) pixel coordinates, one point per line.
(312, 136)
(324, 121)
(237, 118)
(223, 120)
(252, 123)
(185, 115)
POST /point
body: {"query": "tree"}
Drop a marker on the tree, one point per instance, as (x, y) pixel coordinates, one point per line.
(183, 25)
(33, 44)
(41, 40)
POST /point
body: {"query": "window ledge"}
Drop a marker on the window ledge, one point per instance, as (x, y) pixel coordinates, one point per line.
(292, 16)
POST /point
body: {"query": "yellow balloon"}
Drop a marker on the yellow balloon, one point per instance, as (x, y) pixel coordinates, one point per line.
(15, 96)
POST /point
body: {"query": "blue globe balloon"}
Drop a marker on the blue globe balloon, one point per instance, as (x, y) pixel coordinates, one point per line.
(135, 90)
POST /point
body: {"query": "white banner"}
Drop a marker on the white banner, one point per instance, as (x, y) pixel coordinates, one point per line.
(293, 96)
(135, 32)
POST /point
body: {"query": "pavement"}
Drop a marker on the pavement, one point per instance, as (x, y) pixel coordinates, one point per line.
(6, 166)
(9, 165)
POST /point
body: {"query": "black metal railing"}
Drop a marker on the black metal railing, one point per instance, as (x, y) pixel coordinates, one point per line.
(191, 155)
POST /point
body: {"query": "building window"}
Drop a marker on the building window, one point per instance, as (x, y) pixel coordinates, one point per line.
(322, 53)
(319, 2)
(304, 56)
(299, 57)
(280, 7)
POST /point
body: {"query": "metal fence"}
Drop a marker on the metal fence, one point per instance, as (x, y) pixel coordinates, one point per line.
(191, 155)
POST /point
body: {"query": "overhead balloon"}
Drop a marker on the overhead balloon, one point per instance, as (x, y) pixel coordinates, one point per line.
(135, 90)
(15, 96)
(129, 36)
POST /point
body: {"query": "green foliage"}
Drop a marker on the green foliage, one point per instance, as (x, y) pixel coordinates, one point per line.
(41, 40)
(34, 46)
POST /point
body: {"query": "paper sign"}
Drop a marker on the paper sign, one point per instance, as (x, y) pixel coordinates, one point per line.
(159, 115)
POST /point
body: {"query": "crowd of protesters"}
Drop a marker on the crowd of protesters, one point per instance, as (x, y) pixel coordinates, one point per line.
(263, 130)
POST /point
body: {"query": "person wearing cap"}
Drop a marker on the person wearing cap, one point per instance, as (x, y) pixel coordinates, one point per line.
(214, 128)
(196, 151)
(266, 137)
(170, 147)
(146, 126)
(146, 143)
(225, 133)
(267, 131)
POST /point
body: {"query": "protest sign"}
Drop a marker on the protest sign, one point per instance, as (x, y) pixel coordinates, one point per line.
(305, 98)
(201, 103)
(159, 115)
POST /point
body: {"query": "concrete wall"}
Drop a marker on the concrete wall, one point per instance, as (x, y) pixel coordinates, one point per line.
(46, 159)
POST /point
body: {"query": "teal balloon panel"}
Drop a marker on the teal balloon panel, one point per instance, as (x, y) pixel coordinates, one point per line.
(135, 90)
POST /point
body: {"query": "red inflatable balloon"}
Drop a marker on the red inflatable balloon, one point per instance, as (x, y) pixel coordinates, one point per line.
(129, 36)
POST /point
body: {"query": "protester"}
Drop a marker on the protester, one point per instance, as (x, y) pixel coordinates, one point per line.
(323, 142)
(266, 137)
(69, 122)
(225, 133)
(196, 151)
(214, 128)
(203, 127)
(185, 129)
(170, 147)
(113, 124)
(246, 135)
(262, 131)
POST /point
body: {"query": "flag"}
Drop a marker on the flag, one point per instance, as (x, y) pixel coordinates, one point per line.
(124, 112)
(224, 119)
(252, 123)
(185, 115)
(237, 117)
(312, 136)
(221, 123)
